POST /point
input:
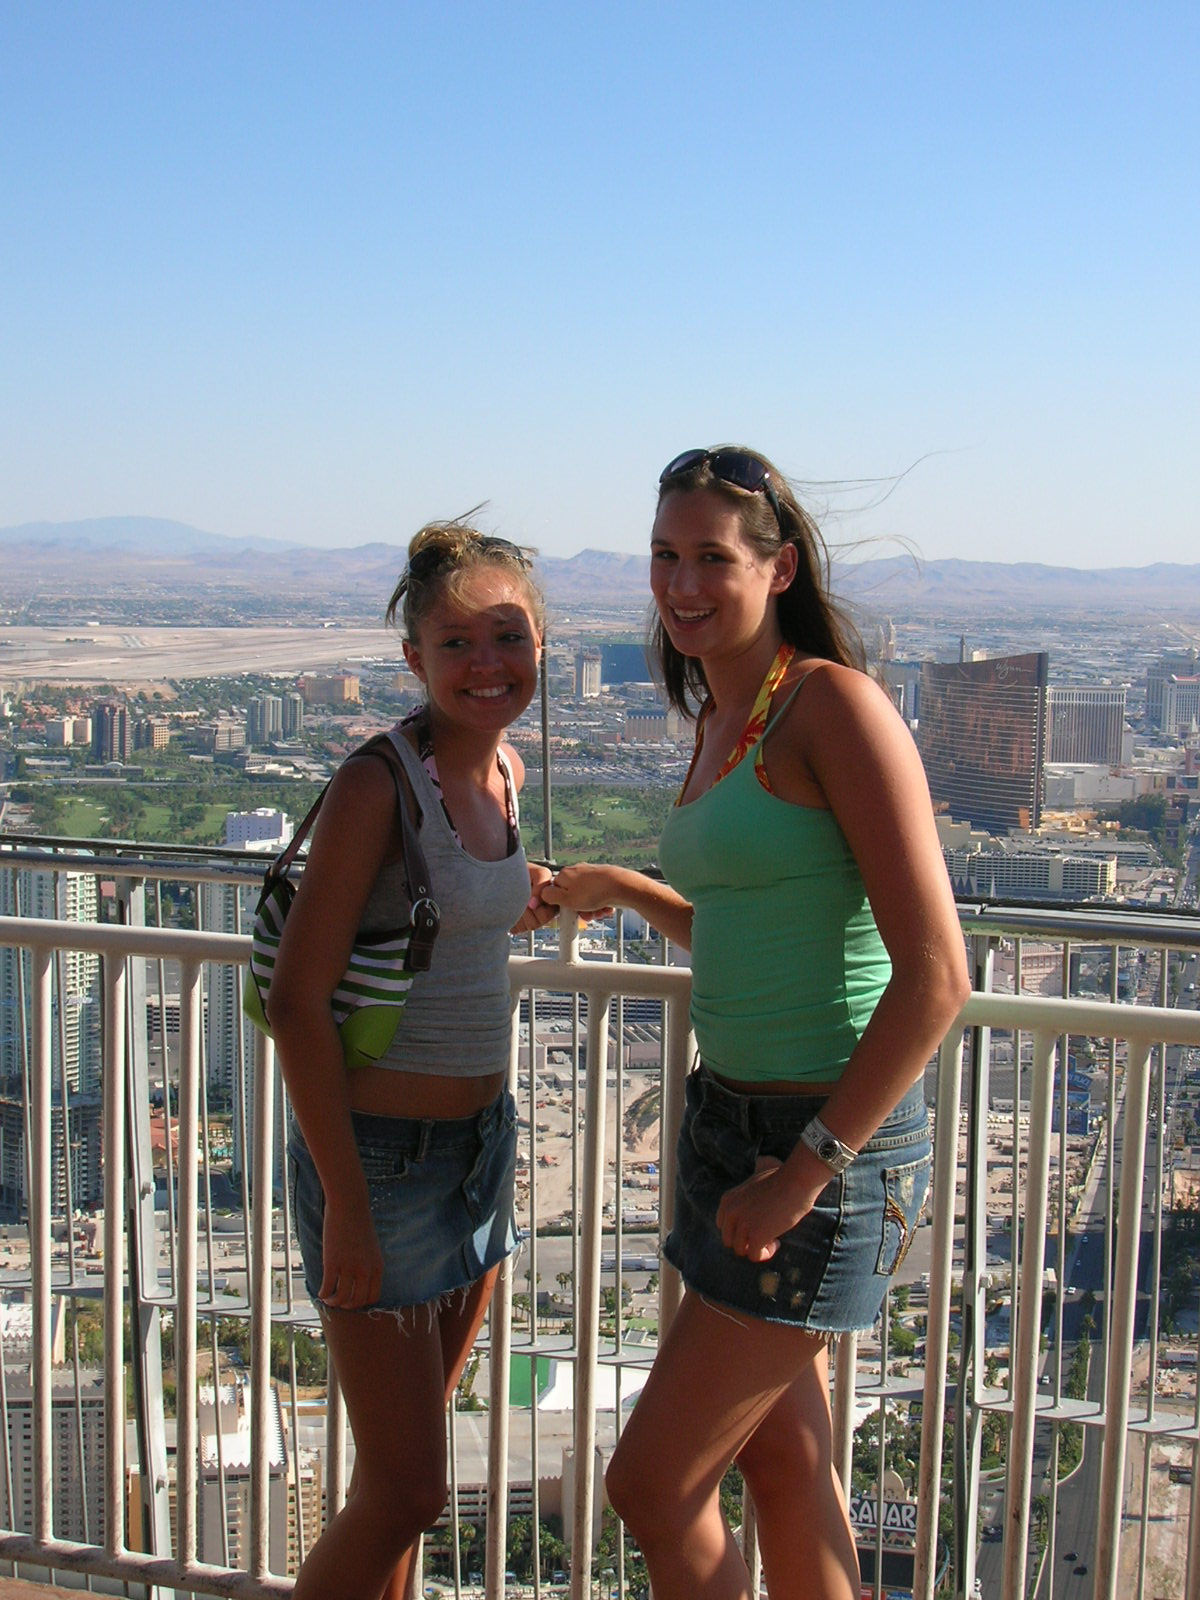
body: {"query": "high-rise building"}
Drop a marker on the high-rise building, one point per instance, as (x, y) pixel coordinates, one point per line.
(264, 719)
(1180, 705)
(623, 662)
(76, 1174)
(112, 731)
(1085, 723)
(1174, 664)
(261, 829)
(981, 735)
(293, 715)
(1031, 874)
(76, 1423)
(587, 674)
(329, 689)
(75, 1028)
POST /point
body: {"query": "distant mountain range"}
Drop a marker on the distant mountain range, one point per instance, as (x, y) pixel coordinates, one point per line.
(150, 554)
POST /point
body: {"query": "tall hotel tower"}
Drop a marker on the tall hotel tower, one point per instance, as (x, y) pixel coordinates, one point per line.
(981, 735)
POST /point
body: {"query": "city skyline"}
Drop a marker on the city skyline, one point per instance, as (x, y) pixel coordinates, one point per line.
(324, 282)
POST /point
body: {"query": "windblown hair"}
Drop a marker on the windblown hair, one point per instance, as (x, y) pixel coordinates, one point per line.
(441, 555)
(809, 617)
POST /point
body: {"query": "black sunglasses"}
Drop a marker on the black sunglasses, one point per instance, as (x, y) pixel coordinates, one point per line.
(736, 467)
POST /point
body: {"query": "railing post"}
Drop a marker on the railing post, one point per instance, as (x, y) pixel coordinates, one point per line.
(262, 1201)
(39, 1245)
(1124, 1303)
(114, 1256)
(937, 1340)
(187, 1453)
(1029, 1317)
(145, 1317)
(595, 1106)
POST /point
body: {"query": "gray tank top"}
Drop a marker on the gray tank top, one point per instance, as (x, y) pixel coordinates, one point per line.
(457, 1020)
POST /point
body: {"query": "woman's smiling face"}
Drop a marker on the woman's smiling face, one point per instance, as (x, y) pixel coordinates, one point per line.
(477, 650)
(714, 591)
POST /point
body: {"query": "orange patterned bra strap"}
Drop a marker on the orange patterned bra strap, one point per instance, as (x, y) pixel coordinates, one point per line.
(757, 719)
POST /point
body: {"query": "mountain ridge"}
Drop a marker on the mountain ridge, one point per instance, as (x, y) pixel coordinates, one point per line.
(101, 550)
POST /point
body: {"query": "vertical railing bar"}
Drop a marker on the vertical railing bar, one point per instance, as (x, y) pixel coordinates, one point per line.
(1158, 1084)
(1124, 1297)
(219, 1432)
(1191, 1584)
(535, 1419)
(335, 1445)
(293, 1412)
(1110, 1190)
(172, 1208)
(596, 1092)
(113, 1095)
(968, 1423)
(499, 1380)
(937, 1326)
(6, 1425)
(262, 1201)
(1025, 1342)
(25, 970)
(1015, 1233)
(39, 1248)
(455, 1518)
(185, 1329)
(845, 1369)
(678, 1051)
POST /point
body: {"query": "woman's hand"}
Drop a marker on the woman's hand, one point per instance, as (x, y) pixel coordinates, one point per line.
(586, 890)
(352, 1259)
(752, 1217)
(537, 913)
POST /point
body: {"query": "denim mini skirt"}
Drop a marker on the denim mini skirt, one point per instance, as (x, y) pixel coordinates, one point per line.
(830, 1271)
(441, 1193)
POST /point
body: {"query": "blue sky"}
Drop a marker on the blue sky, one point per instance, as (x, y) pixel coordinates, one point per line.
(323, 272)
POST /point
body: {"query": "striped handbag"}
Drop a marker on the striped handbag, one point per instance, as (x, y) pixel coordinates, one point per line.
(369, 999)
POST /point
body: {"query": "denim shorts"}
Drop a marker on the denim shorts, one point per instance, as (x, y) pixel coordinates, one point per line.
(441, 1194)
(830, 1271)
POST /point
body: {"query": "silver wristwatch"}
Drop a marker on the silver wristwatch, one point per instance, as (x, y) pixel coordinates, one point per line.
(827, 1147)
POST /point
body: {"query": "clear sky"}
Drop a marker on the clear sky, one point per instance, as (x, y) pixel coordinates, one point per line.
(322, 272)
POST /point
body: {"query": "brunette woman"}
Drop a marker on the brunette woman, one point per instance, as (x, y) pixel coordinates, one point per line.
(805, 876)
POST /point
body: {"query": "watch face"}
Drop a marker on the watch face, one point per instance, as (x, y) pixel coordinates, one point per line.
(828, 1151)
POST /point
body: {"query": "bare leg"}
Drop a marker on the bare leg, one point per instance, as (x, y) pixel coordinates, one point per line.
(716, 1378)
(395, 1382)
(457, 1328)
(788, 1466)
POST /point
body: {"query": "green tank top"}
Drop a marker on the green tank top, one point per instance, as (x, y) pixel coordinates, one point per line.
(787, 963)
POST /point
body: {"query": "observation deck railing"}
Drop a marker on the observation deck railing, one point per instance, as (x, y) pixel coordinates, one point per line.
(189, 1506)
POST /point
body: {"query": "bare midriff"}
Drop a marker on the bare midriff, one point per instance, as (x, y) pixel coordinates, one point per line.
(384, 1093)
(772, 1085)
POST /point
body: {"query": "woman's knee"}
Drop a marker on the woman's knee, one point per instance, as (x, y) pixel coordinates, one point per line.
(783, 1459)
(404, 1504)
(630, 1489)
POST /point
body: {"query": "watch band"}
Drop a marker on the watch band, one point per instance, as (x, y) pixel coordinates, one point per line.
(826, 1146)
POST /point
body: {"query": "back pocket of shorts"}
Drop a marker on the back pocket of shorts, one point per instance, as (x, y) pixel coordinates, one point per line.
(904, 1191)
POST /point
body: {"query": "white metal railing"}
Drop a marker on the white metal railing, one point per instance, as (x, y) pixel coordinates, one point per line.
(175, 1564)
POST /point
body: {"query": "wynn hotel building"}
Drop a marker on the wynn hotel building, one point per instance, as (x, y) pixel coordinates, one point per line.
(981, 735)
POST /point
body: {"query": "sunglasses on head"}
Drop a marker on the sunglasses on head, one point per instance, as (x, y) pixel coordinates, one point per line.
(736, 467)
